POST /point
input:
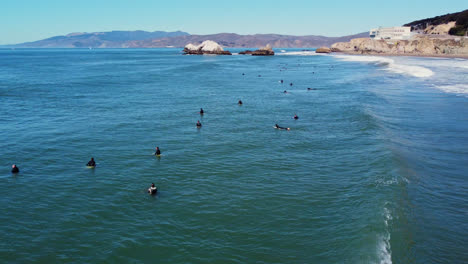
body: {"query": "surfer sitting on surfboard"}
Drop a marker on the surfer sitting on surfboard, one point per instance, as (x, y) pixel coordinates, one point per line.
(201, 111)
(158, 152)
(278, 127)
(91, 163)
(198, 124)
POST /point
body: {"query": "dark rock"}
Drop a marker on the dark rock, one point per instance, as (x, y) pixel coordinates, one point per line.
(247, 52)
(265, 51)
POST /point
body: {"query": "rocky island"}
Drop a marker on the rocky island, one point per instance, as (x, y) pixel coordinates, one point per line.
(265, 51)
(206, 47)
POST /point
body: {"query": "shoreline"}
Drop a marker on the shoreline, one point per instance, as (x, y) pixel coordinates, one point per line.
(383, 54)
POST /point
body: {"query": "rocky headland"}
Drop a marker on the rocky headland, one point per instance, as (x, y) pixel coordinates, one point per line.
(417, 46)
(206, 47)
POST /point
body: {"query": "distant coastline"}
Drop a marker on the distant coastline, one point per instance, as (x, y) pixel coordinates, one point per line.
(178, 39)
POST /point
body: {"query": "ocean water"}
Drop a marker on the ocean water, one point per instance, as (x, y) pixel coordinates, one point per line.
(374, 170)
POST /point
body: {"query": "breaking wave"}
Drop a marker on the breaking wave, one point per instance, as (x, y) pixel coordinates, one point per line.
(390, 64)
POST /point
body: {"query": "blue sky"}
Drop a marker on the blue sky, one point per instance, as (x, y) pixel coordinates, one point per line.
(29, 20)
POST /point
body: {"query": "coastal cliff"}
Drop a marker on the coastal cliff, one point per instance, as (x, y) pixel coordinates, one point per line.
(423, 46)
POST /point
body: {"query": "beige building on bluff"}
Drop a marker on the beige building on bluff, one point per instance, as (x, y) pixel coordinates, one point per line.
(391, 33)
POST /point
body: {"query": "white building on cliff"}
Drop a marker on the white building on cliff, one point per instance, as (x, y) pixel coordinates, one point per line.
(391, 33)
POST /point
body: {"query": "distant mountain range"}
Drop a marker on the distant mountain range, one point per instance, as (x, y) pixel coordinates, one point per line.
(158, 39)
(112, 39)
(246, 41)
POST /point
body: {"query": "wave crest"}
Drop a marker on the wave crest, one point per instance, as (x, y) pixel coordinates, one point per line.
(390, 64)
(454, 88)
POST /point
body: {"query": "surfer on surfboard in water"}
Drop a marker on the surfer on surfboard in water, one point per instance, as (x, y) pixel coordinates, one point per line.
(283, 128)
(158, 152)
(91, 163)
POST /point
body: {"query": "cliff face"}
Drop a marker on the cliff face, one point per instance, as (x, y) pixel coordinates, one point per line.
(416, 46)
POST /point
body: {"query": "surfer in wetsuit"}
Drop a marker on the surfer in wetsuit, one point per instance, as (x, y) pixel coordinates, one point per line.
(296, 117)
(152, 189)
(198, 124)
(240, 102)
(91, 163)
(201, 111)
(14, 169)
(278, 127)
(158, 152)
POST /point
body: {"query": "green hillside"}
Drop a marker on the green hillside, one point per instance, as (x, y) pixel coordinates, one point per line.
(460, 29)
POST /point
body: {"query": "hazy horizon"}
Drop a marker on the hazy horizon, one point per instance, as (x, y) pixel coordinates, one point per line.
(29, 20)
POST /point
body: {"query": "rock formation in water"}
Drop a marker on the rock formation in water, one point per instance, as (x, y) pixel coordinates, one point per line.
(265, 51)
(423, 45)
(206, 47)
(247, 52)
(323, 50)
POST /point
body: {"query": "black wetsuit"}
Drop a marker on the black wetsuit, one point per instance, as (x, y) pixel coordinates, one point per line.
(199, 125)
(278, 127)
(158, 152)
(15, 170)
(91, 163)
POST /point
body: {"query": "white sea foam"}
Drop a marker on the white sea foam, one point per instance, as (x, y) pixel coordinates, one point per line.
(416, 71)
(461, 88)
(390, 65)
(300, 53)
(447, 62)
(384, 250)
